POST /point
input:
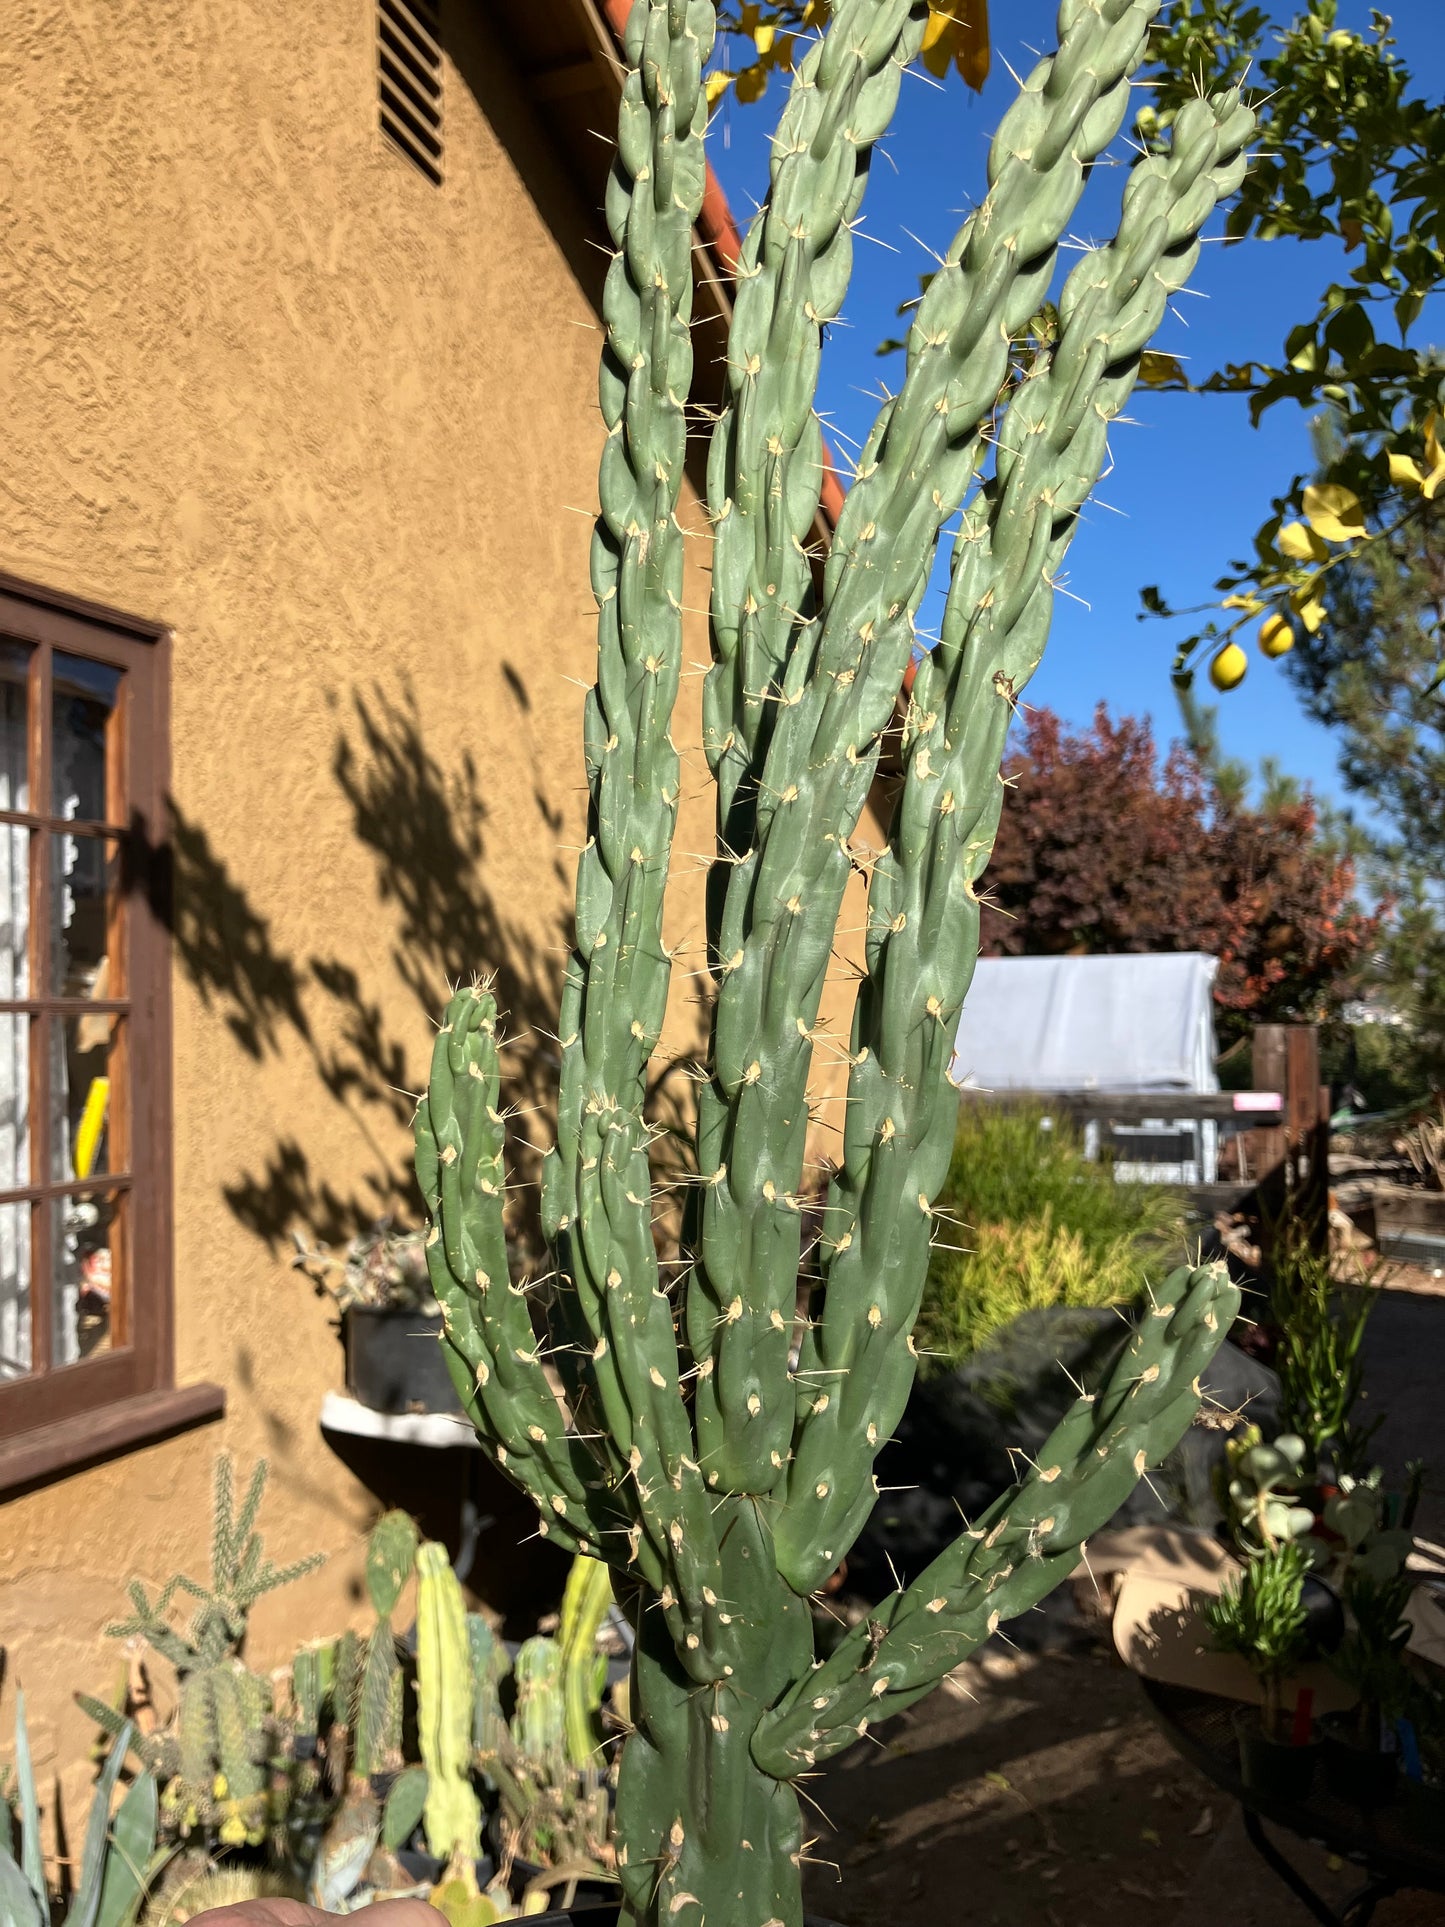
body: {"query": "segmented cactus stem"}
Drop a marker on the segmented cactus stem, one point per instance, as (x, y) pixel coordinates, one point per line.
(718, 1478)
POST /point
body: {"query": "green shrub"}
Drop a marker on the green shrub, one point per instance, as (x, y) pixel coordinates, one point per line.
(1040, 1224)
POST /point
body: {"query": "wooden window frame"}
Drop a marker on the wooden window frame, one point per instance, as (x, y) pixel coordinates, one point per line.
(65, 1416)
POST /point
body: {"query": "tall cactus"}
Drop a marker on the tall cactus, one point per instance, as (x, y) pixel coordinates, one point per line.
(718, 1457)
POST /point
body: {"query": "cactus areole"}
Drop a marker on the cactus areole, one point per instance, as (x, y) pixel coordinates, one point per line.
(713, 1448)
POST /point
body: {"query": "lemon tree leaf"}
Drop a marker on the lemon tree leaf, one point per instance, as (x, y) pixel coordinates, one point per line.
(1333, 511)
(1300, 544)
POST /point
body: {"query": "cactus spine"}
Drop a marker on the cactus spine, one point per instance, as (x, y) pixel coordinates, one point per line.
(720, 1481)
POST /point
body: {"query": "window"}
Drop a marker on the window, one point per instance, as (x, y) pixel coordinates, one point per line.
(85, 1306)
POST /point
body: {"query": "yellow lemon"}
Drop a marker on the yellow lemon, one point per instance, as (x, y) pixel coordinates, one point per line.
(1276, 637)
(1228, 667)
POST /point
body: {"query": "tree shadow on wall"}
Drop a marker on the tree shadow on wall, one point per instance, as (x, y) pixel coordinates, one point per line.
(426, 828)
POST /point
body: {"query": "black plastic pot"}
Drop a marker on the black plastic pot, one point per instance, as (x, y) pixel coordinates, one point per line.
(394, 1363)
(1422, 1812)
(426, 1870)
(1273, 1767)
(591, 1895)
(1363, 1775)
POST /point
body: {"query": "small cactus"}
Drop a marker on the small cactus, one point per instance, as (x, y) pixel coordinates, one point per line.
(453, 1814)
(712, 1448)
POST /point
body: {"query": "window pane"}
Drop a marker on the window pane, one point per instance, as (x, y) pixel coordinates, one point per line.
(14, 727)
(14, 1102)
(14, 911)
(86, 1096)
(83, 701)
(14, 1291)
(87, 1258)
(84, 911)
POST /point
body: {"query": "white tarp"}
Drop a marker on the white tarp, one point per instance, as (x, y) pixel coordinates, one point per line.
(1122, 1024)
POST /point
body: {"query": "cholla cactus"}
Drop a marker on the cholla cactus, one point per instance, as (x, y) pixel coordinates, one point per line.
(715, 1455)
(213, 1761)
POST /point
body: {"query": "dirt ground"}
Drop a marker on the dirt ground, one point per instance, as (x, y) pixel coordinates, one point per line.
(1050, 1799)
(1050, 1796)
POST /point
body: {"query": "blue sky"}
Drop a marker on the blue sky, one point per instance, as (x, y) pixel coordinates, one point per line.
(1191, 479)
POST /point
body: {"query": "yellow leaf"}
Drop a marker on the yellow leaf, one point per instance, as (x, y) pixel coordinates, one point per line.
(1405, 471)
(1433, 456)
(763, 38)
(815, 14)
(1308, 607)
(1334, 512)
(1251, 604)
(751, 83)
(1156, 369)
(936, 57)
(956, 35)
(1294, 539)
(973, 52)
(716, 86)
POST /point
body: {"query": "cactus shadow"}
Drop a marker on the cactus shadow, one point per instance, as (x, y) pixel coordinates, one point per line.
(426, 827)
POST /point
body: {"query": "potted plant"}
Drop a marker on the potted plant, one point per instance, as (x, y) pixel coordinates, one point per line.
(692, 1429)
(1258, 1487)
(390, 1319)
(1361, 1762)
(1261, 1616)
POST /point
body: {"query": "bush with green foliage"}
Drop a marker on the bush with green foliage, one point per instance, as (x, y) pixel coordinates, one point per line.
(1034, 1223)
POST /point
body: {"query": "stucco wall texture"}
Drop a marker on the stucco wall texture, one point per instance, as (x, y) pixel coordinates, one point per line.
(267, 384)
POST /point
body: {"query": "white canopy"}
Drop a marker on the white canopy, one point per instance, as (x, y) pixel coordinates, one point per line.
(1088, 1024)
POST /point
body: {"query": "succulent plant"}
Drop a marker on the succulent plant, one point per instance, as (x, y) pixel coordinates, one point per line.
(712, 1448)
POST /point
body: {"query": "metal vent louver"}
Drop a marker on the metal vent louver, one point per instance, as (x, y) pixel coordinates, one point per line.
(409, 81)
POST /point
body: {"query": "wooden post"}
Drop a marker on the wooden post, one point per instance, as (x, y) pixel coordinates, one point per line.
(1270, 1072)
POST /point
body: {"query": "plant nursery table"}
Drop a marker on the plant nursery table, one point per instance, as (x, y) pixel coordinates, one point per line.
(1399, 1846)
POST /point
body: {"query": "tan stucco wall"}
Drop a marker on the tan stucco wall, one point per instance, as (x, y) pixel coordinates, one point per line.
(267, 384)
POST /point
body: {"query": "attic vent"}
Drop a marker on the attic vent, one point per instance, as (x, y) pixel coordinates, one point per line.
(409, 80)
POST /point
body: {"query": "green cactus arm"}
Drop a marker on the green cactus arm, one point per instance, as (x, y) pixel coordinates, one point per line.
(764, 481)
(239, 1730)
(1027, 1540)
(597, 1187)
(539, 1723)
(616, 989)
(585, 1601)
(306, 1690)
(492, 1349)
(855, 1371)
(444, 1707)
(766, 457)
(373, 1708)
(782, 899)
(390, 1556)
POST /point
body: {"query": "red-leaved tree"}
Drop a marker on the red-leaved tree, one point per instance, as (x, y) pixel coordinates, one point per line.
(1105, 849)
